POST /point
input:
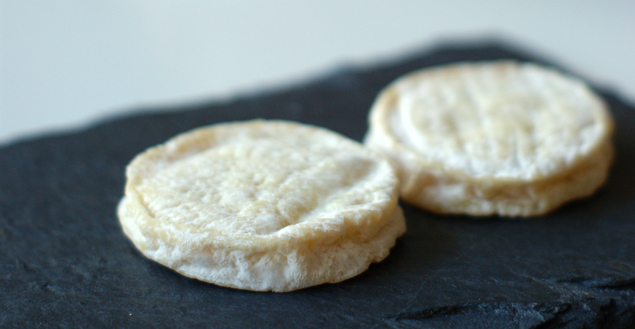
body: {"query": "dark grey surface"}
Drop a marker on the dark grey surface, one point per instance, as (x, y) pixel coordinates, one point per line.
(64, 261)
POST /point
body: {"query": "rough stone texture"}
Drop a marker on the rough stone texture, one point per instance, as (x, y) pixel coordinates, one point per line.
(64, 261)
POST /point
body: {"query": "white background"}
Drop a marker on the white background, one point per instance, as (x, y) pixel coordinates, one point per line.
(64, 63)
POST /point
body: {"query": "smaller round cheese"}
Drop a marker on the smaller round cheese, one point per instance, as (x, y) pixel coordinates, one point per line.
(266, 206)
(506, 138)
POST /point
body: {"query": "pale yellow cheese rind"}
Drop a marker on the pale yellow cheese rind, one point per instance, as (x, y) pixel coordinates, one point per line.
(262, 205)
(506, 138)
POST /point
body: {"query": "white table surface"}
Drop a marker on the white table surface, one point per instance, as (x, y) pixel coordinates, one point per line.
(65, 64)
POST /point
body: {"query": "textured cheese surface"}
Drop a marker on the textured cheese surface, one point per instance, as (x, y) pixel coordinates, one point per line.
(262, 205)
(474, 126)
(502, 120)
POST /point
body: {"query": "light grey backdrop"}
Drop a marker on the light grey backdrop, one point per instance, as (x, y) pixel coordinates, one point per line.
(68, 63)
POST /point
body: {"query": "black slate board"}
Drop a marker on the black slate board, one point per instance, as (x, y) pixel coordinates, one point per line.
(64, 261)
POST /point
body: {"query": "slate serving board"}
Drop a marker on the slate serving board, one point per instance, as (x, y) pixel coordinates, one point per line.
(64, 261)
